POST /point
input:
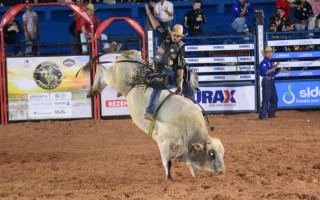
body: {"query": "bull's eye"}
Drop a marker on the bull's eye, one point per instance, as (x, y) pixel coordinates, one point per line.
(212, 154)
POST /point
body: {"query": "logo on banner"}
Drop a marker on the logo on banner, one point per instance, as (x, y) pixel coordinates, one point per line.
(219, 96)
(69, 62)
(218, 47)
(288, 97)
(47, 75)
(244, 46)
(192, 48)
(218, 59)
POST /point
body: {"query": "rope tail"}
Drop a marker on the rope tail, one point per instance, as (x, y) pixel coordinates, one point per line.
(205, 113)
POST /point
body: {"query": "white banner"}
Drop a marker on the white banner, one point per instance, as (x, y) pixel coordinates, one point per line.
(222, 47)
(293, 42)
(111, 105)
(239, 59)
(240, 77)
(237, 98)
(240, 68)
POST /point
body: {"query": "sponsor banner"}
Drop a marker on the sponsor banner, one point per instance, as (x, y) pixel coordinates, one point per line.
(242, 77)
(222, 47)
(238, 98)
(44, 113)
(46, 88)
(241, 68)
(293, 42)
(299, 73)
(239, 59)
(310, 54)
(111, 105)
(314, 63)
(298, 94)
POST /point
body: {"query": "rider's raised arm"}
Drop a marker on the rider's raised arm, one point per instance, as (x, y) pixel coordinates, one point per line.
(153, 21)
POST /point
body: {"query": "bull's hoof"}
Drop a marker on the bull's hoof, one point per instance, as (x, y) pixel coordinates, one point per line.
(169, 178)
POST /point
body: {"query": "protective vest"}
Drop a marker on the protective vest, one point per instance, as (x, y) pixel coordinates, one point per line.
(167, 53)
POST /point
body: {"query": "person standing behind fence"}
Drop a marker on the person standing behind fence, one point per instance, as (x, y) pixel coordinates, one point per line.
(302, 14)
(12, 32)
(267, 69)
(315, 4)
(78, 26)
(239, 15)
(193, 20)
(86, 30)
(164, 11)
(31, 27)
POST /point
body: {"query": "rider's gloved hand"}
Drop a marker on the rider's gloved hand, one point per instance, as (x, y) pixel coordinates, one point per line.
(179, 82)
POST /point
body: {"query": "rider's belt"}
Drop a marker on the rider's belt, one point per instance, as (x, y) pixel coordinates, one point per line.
(268, 78)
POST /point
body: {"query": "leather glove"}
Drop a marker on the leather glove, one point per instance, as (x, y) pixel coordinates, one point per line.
(179, 82)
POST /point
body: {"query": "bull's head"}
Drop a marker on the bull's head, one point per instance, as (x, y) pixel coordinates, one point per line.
(206, 156)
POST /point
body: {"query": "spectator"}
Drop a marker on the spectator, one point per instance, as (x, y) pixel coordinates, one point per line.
(316, 28)
(114, 47)
(287, 9)
(239, 15)
(12, 32)
(164, 11)
(267, 69)
(86, 30)
(315, 4)
(280, 23)
(78, 26)
(31, 27)
(193, 20)
(302, 14)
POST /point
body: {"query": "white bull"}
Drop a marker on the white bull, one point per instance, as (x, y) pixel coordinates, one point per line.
(180, 130)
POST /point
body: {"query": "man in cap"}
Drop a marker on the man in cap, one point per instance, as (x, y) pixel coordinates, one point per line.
(86, 30)
(31, 27)
(169, 59)
(267, 69)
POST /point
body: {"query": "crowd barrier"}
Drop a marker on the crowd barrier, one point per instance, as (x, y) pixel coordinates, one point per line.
(299, 53)
(227, 72)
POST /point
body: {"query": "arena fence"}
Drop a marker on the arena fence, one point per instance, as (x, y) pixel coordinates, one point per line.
(298, 52)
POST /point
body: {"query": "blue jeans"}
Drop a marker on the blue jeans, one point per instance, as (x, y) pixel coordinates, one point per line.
(30, 49)
(172, 75)
(240, 25)
(269, 95)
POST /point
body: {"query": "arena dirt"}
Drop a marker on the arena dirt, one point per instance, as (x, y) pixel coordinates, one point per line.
(277, 158)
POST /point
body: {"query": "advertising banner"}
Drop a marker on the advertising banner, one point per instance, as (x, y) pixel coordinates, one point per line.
(233, 68)
(111, 105)
(46, 88)
(239, 59)
(236, 98)
(298, 94)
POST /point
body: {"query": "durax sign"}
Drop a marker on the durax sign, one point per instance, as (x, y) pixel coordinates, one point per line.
(298, 94)
(238, 98)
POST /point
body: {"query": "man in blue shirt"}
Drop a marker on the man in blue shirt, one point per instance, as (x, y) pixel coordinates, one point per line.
(239, 15)
(267, 69)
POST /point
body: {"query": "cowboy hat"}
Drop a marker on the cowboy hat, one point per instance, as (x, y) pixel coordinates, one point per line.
(91, 7)
(178, 30)
(267, 49)
(118, 45)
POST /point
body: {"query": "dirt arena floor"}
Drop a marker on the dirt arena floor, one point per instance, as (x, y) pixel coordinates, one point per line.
(277, 158)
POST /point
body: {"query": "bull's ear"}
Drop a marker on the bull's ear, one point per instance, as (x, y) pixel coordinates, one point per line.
(198, 146)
